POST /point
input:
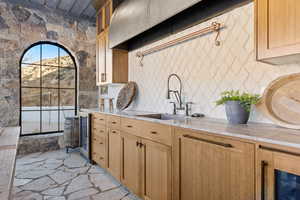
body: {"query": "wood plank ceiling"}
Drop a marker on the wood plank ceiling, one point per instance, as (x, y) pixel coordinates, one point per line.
(73, 8)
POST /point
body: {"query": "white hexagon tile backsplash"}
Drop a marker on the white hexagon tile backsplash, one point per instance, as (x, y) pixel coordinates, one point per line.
(205, 69)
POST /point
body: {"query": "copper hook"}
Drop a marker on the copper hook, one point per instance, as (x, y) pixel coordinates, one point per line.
(217, 27)
(141, 57)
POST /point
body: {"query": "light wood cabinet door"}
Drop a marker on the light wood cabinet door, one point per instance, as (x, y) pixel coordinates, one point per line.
(131, 163)
(101, 59)
(100, 21)
(277, 174)
(114, 153)
(212, 168)
(109, 59)
(278, 31)
(108, 9)
(156, 166)
(112, 64)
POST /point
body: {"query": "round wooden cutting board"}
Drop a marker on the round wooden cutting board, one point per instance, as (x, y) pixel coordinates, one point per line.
(281, 101)
(126, 95)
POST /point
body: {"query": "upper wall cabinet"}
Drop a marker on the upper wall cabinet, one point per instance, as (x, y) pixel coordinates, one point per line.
(278, 31)
(112, 64)
(104, 17)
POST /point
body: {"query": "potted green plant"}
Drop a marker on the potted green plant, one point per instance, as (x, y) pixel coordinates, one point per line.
(237, 105)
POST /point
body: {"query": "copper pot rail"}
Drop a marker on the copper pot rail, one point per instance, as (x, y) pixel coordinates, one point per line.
(215, 27)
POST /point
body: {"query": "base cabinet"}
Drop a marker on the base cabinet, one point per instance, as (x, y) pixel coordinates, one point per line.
(99, 141)
(146, 168)
(114, 153)
(212, 168)
(278, 174)
(156, 162)
(131, 165)
(156, 168)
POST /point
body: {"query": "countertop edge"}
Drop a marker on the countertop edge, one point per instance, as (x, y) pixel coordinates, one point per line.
(226, 129)
(8, 155)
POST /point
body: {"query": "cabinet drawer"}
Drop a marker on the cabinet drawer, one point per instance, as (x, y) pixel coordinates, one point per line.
(113, 122)
(131, 126)
(98, 118)
(99, 130)
(216, 141)
(99, 144)
(98, 141)
(99, 153)
(99, 148)
(152, 131)
(156, 132)
(98, 158)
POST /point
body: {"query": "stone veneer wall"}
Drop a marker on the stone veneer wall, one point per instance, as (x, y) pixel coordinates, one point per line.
(206, 70)
(40, 143)
(19, 28)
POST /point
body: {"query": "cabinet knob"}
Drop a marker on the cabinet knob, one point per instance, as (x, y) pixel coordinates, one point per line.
(114, 132)
(129, 126)
(153, 132)
(113, 122)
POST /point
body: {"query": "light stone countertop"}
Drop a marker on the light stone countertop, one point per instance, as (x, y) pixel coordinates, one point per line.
(258, 132)
(9, 138)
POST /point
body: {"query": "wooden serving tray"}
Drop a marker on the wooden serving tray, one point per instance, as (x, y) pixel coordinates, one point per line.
(126, 95)
(281, 101)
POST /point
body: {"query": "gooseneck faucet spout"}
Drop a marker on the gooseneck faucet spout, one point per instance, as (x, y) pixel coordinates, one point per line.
(176, 92)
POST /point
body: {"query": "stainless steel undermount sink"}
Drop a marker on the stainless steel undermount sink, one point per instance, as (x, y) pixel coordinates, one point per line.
(162, 116)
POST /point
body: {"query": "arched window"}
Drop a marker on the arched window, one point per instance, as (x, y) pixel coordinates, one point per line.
(48, 88)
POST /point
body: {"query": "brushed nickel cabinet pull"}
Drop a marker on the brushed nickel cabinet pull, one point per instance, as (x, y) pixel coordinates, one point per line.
(264, 165)
(153, 132)
(226, 145)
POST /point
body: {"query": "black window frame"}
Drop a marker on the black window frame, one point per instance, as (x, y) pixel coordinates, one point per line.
(41, 110)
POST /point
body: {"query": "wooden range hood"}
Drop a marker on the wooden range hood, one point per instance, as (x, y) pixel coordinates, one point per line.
(133, 17)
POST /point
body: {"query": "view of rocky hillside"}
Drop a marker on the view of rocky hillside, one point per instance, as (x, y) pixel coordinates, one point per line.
(48, 77)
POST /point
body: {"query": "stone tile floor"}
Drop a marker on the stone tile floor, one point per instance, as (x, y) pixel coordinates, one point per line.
(59, 176)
